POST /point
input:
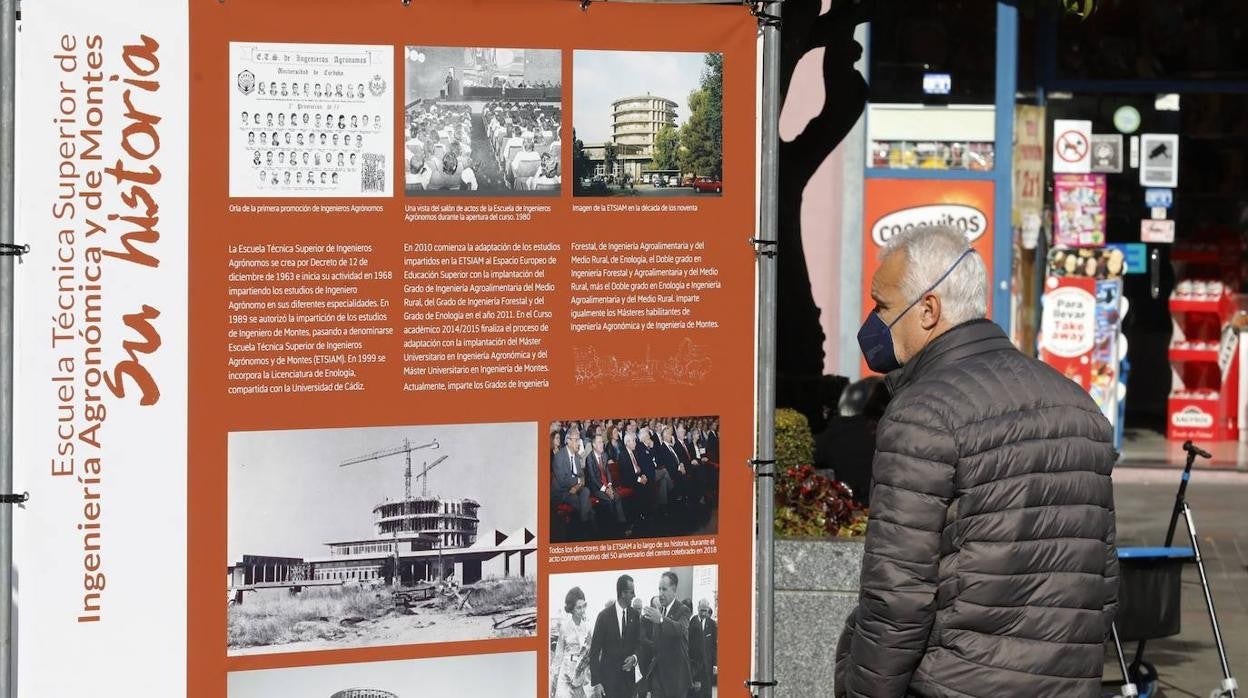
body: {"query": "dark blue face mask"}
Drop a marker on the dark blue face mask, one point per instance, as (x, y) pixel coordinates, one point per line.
(875, 338)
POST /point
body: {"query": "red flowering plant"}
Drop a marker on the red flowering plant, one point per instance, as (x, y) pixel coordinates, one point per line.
(810, 505)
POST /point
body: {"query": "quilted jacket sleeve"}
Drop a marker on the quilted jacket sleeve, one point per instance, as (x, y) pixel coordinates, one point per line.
(1110, 609)
(914, 486)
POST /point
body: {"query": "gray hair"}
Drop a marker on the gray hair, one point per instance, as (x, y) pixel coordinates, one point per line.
(930, 251)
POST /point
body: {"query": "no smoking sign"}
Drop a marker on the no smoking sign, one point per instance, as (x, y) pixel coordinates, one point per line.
(1072, 146)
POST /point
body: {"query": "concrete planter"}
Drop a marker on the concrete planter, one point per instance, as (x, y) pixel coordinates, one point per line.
(816, 588)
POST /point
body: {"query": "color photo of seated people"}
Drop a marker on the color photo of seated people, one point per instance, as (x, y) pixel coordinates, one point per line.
(633, 477)
(482, 121)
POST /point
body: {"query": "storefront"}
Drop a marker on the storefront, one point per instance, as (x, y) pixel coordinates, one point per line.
(1160, 89)
(1100, 166)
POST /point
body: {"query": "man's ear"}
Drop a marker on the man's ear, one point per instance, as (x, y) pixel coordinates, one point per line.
(930, 317)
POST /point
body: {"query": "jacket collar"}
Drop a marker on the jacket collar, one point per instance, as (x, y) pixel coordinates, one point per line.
(965, 340)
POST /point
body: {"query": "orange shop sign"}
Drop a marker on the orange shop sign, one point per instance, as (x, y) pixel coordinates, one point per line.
(896, 205)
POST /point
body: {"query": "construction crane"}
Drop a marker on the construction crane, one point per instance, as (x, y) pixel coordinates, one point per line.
(406, 449)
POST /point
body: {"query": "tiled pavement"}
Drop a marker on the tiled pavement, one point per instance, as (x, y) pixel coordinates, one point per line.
(1187, 663)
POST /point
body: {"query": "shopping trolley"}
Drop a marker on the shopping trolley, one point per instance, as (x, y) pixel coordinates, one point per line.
(1149, 593)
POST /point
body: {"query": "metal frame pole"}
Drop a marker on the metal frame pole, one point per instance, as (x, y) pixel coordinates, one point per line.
(8, 125)
(1003, 169)
(767, 236)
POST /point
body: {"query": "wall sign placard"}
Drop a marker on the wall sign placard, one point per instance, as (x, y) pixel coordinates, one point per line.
(1159, 163)
(1072, 146)
(1159, 198)
(1107, 152)
(1127, 119)
(1079, 210)
(315, 301)
(1157, 231)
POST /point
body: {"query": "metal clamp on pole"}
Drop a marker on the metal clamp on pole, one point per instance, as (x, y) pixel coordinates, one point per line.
(8, 249)
(18, 499)
(756, 464)
(765, 19)
(764, 248)
(751, 685)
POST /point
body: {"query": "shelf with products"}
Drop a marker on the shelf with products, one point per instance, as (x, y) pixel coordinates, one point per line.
(1184, 352)
(1196, 395)
(1204, 362)
(1202, 296)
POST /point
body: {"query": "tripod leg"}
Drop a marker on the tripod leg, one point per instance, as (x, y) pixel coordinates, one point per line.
(1229, 687)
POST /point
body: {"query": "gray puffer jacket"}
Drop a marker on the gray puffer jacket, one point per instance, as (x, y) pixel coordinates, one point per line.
(990, 568)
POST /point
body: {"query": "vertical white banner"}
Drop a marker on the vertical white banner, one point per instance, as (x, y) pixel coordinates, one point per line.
(100, 385)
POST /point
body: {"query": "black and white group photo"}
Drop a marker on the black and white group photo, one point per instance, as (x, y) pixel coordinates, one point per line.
(360, 537)
(638, 477)
(644, 633)
(483, 121)
(647, 123)
(478, 676)
(311, 132)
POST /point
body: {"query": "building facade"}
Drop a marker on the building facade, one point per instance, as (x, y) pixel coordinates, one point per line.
(451, 521)
(635, 124)
(422, 540)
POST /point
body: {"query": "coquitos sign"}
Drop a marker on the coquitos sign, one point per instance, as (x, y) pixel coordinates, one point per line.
(968, 219)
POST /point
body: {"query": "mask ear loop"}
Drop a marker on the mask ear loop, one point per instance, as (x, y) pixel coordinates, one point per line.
(931, 288)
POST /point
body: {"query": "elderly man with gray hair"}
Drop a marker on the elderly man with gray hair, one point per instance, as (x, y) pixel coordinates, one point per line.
(989, 566)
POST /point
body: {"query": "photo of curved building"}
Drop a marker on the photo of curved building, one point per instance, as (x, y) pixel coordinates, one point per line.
(647, 123)
(637, 121)
(496, 675)
(386, 535)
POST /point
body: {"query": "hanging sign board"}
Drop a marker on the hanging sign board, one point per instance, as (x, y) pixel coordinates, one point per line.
(1028, 190)
(315, 301)
(1072, 146)
(1159, 164)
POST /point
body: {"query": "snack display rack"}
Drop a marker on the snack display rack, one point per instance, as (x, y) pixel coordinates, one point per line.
(1204, 361)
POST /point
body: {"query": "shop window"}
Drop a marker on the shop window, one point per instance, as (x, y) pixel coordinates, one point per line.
(932, 78)
(947, 37)
(1156, 40)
